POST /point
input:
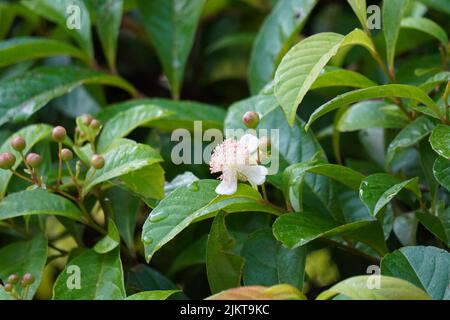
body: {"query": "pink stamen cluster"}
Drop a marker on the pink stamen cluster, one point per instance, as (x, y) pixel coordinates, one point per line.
(229, 155)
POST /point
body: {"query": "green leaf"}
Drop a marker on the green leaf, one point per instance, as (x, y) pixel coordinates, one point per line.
(425, 267)
(359, 7)
(378, 189)
(144, 278)
(3, 294)
(371, 114)
(123, 123)
(277, 292)
(193, 254)
(121, 160)
(152, 295)
(24, 257)
(268, 262)
(427, 26)
(357, 288)
(438, 225)
(384, 91)
(110, 241)
(171, 25)
(439, 140)
(410, 135)
(29, 48)
(63, 12)
(441, 171)
(193, 203)
(405, 228)
(32, 135)
(223, 266)
(283, 23)
(23, 95)
(298, 229)
(301, 66)
(336, 77)
(100, 278)
(392, 14)
(138, 182)
(37, 201)
(439, 5)
(108, 14)
(177, 114)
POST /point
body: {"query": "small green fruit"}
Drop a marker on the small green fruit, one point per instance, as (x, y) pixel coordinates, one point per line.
(34, 160)
(18, 143)
(7, 160)
(95, 124)
(59, 133)
(86, 119)
(8, 287)
(66, 154)
(28, 279)
(251, 119)
(97, 161)
(13, 279)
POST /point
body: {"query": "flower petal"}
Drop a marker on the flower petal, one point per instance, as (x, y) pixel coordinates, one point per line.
(228, 186)
(255, 174)
(250, 141)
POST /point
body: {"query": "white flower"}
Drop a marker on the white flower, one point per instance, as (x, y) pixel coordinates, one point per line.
(237, 160)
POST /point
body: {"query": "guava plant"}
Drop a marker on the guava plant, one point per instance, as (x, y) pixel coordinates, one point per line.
(112, 186)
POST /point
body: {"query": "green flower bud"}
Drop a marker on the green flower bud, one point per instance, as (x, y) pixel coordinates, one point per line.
(7, 160)
(86, 119)
(8, 287)
(95, 124)
(13, 279)
(66, 154)
(97, 161)
(28, 279)
(59, 133)
(251, 119)
(18, 143)
(34, 160)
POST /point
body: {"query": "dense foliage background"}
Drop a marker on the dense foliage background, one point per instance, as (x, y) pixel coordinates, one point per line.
(364, 145)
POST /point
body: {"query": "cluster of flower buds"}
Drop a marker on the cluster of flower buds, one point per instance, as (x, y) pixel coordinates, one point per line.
(13, 281)
(87, 129)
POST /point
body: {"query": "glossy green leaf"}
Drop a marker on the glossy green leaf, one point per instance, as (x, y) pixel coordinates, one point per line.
(285, 20)
(23, 95)
(336, 77)
(144, 278)
(298, 229)
(410, 135)
(277, 292)
(427, 26)
(32, 135)
(405, 228)
(65, 13)
(428, 268)
(268, 262)
(24, 257)
(110, 241)
(138, 182)
(152, 295)
(121, 160)
(29, 48)
(37, 201)
(438, 225)
(384, 91)
(359, 8)
(378, 189)
(100, 278)
(392, 14)
(440, 140)
(171, 25)
(193, 254)
(123, 123)
(177, 114)
(223, 266)
(108, 15)
(301, 66)
(439, 5)
(371, 114)
(441, 171)
(360, 288)
(193, 203)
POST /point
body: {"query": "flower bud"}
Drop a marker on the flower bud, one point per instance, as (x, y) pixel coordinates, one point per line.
(18, 143)
(34, 160)
(7, 160)
(28, 279)
(95, 124)
(8, 287)
(13, 279)
(251, 119)
(59, 133)
(97, 161)
(66, 154)
(86, 119)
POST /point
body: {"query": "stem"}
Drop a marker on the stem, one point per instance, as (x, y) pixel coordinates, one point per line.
(351, 250)
(74, 179)
(21, 176)
(105, 207)
(58, 180)
(54, 189)
(263, 187)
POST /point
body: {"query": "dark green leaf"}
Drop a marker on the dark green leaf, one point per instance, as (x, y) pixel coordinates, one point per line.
(110, 241)
(439, 140)
(441, 170)
(152, 295)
